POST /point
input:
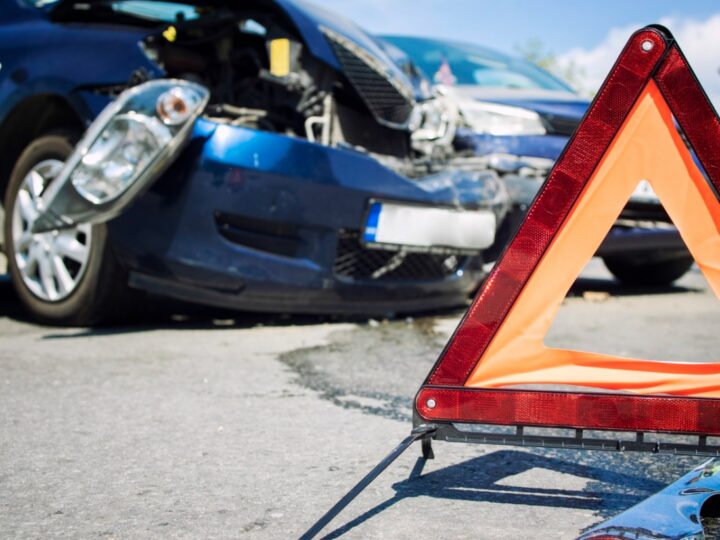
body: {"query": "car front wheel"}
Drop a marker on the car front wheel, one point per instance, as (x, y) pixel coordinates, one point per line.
(66, 276)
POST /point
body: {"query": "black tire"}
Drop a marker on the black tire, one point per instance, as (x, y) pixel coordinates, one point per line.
(650, 271)
(101, 295)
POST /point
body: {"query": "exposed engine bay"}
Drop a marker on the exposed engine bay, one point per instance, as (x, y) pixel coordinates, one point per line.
(261, 75)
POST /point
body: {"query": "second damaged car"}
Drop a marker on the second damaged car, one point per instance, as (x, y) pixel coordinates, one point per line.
(518, 118)
(269, 156)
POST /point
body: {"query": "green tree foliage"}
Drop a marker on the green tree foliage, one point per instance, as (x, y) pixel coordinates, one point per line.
(534, 50)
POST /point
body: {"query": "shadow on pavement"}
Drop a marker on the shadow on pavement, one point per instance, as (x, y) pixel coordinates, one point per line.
(158, 313)
(615, 288)
(476, 480)
(155, 313)
(9, 304)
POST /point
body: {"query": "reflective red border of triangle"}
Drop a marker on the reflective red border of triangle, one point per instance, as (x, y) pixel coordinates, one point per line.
(617, 412)
(637, 64)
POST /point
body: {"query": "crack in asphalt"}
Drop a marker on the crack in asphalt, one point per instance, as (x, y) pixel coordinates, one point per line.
(377, 368)
(374, 368)
(310, 377)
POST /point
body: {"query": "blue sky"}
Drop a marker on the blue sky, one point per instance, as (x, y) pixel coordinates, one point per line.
(561, 24)
(586, 35)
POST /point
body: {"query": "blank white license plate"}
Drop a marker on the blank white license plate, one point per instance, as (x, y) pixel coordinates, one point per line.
(428, 227)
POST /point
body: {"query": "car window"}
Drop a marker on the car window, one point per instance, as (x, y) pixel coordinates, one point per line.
(456, 63)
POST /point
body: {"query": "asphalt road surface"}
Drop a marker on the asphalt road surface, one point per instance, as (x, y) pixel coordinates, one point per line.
(209, 424)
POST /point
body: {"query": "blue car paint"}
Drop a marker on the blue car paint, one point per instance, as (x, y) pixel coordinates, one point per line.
(567, 108)
(269, 176)
(310, 19)
(543, 146)
(169, 240)
(673, 513)
(561, 110)
(40, 57)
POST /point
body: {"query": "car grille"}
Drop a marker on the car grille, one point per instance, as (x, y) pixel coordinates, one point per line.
(560, 125)
(387, 100)
(359, 263)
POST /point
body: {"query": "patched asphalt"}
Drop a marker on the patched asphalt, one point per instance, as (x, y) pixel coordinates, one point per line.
(205, 423)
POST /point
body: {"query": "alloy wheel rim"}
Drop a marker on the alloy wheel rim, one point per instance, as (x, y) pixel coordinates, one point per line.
(50, 264)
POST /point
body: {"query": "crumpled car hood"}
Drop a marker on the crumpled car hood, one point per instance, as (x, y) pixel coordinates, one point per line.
(309, 20)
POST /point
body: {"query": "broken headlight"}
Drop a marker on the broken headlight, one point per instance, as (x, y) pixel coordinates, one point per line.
(435, 123)
(125, 149)
(502, 119)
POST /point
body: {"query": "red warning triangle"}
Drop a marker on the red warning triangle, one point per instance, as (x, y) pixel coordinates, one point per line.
(628, 135)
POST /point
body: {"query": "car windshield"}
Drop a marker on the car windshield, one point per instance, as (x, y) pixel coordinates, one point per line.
(464, 64)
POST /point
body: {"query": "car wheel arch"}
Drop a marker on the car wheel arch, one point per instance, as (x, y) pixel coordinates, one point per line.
(30, 118)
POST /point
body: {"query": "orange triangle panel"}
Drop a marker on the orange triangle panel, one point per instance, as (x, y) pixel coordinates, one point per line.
(628, 135)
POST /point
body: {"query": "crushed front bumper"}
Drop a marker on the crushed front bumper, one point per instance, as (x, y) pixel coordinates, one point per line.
(258, 221)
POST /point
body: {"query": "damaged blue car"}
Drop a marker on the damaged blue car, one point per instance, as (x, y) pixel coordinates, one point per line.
(517, 118)
(265, 156)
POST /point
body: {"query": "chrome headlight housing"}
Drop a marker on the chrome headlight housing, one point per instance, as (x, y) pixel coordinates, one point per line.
(123, 151)
(126, 147)
(434, 123)
(496, 119)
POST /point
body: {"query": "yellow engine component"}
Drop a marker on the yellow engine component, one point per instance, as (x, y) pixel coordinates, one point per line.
(280, 57)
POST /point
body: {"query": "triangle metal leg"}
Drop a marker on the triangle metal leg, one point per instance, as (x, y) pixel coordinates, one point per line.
(423, 432)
